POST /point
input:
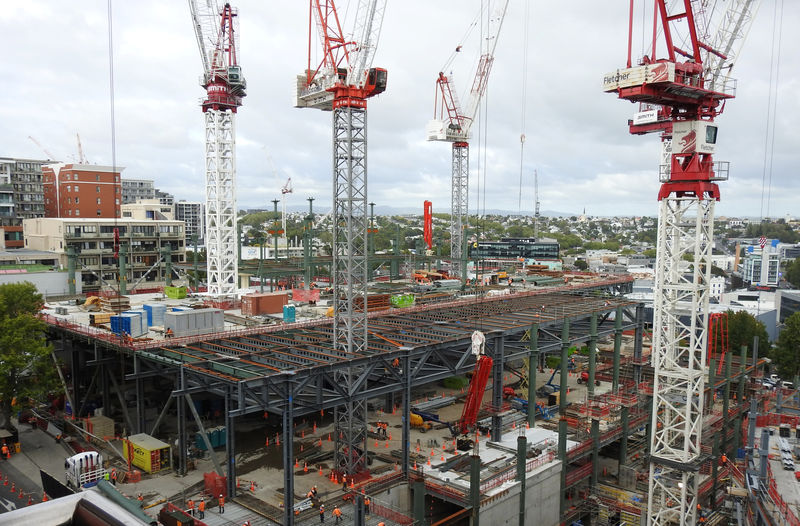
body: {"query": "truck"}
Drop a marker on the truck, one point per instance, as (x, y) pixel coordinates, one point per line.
(84, 470)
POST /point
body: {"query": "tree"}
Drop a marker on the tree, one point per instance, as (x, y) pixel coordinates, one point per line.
(581, 264)
(26, 367)
(786, 353)
(742, 327)
(793, 272)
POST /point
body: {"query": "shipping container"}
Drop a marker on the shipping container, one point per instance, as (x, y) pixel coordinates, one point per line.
(194, 322)
(264, 303)
(155, 314)
(146, 453)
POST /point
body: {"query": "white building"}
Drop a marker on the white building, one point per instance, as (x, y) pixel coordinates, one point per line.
(194, 215)
(760, 267)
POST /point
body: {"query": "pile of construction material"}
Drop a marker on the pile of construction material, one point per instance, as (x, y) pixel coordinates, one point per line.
(264, 303)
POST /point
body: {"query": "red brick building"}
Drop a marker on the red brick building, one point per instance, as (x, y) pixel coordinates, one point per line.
(81, 190)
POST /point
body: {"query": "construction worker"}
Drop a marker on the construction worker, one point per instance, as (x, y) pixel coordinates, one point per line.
(107, 476)
(201, 508)
(169, 333)
(337, 514)
(344, 481)
(723, 459)
(367, 502)
(321, 513)
(190, 505)
(4, 451)
(141, 500)
(114, 476)
(381, 523)
(221, 504)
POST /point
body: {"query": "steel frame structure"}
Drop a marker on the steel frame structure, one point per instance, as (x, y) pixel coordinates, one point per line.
(297, 372)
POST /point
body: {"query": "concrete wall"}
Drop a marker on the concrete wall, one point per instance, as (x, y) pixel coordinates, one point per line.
(541, 500)
(47, 283)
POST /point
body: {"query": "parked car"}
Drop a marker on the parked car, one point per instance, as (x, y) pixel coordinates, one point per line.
(787, 385)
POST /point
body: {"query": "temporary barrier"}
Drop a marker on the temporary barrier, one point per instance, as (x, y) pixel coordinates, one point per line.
(146, 452)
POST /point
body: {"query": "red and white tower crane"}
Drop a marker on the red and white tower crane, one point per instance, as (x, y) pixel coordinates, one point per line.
(683, 92)
(342, 82)
(452, 123)
(217, 38)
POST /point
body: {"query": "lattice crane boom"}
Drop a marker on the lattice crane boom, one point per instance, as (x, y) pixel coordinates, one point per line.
(688, 101)
(216, 30)
(342, 82)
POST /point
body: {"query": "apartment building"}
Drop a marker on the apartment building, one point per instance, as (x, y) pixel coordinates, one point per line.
(136, 189)
(194, 215)
(21, 191)
(82, 190)
(92, 239)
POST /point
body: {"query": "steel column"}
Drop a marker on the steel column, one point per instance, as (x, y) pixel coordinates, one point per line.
(405, 445)
(497, 388)
(419, 502)
(288, 460)
(533, 364)
(522, 450)
(623, 441)
(617, 349)
(230, 443)
(139, 385)
(180, 385)
(475, 486)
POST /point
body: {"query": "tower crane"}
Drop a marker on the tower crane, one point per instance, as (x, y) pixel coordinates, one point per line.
(217, 39)
(342, 82)
(536, 205)
(81, 158)
(452, 123)
(50, 156)
(686, 91)
(285, 189)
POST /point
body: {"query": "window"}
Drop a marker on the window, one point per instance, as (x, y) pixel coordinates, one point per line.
(97, 188)
(69, 188)
(77, 200)
(98, 200)
(69, 200)
(96, 177)
(116, 202)
(74, 176)
(77, 212)
(99, 213)
(90, 229)
(69, 212)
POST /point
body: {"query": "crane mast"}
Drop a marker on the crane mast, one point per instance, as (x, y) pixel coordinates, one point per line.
(217, 38)
(536, 205)
(685, 92)
(342, 82)
(452, 124)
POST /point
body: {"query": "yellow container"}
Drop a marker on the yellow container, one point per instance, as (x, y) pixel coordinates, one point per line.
(17, 447)
(146, 453)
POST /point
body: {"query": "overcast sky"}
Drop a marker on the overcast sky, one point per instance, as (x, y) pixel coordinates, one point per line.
(55, 83)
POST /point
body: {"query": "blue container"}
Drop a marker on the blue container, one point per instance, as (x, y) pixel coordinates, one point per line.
(740, 453)
(288, 313)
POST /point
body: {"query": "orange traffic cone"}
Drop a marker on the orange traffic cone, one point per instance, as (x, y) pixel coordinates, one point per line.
(13, 487)
(320, 471)
(386, 444)
(296, 463)
(415, 465)
(267, 443)
(44, 497)
(20, 493)
(238, 483)
(305, 467)
(30, 500)
(513, 425)
(252, 486)
(442, 456)
(429, 461)
(301, 447)
(329, 437)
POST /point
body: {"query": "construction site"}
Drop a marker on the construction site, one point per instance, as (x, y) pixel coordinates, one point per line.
(457, 390)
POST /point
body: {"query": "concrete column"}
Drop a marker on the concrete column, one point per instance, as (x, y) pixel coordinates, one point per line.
(123, 269)
(714, 468)
(712, 379)
(737, 435)
(167, 250)
(359, 513)
(592, 353)
(497, 387)
(195, 256)
(394, 266)
(533, 364)
(562, 398)
(726, 405)
(288, 454)
(522, 450)
(71, 264)
(751, 427)
(596, 451)
(277, 226)
(617, 348)
(419, 502)
(637, 345)
(623, 441)
(562, 456)
(742, 370)
(475, 487)
(763, 451)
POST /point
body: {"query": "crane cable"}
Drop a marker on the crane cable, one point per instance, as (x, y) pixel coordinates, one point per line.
(524, 98)
(772, 108)
(113, 152)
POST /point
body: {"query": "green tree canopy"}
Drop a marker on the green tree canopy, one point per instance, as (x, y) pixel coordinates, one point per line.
(26, 367)
(793, 272)
(742, 327)
(786, 354)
